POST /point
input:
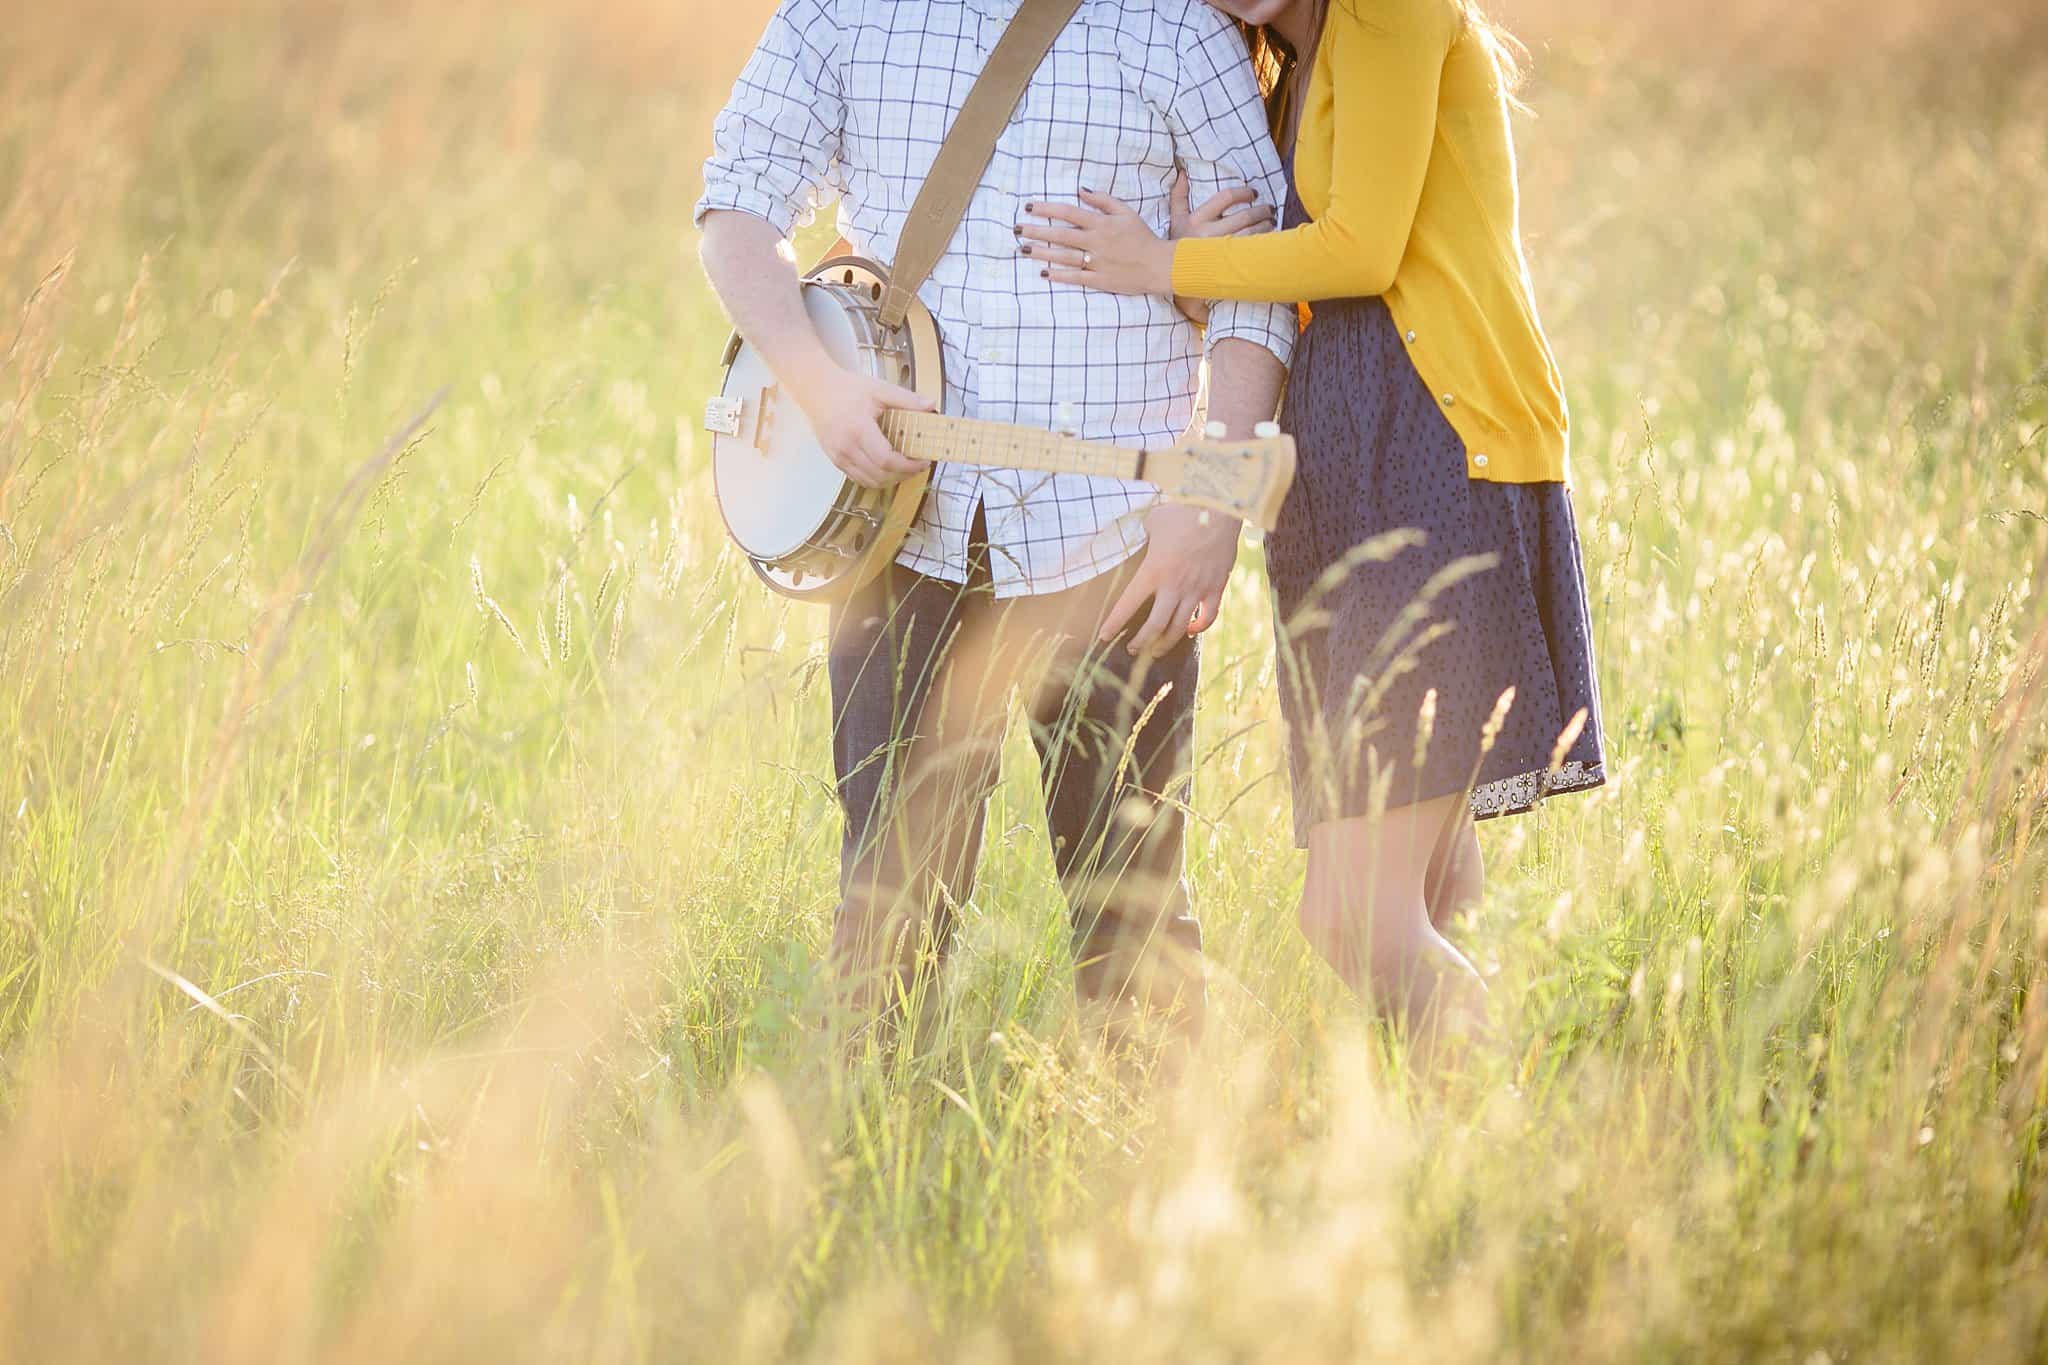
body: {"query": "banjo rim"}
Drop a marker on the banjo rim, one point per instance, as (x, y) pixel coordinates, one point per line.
(928, 380)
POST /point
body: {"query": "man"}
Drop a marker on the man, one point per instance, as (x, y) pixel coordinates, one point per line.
(1084, 591)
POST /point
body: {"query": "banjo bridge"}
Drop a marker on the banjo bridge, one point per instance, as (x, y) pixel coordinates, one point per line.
(764, 419)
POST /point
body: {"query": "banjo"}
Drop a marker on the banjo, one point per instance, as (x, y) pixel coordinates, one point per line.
(815, 535)
(809, 531)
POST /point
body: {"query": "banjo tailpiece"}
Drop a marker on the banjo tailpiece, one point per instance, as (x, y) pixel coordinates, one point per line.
(722, 416)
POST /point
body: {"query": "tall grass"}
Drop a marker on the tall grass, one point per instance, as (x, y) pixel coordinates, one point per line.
(415, 838)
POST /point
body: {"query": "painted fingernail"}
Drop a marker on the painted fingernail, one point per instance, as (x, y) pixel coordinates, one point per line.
(1045, 274)
(1019, 229)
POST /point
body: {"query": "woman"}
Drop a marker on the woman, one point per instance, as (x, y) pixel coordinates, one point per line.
(1436, 648)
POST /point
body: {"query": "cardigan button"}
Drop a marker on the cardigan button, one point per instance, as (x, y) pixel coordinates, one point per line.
(1479, 462)
(1450, 400)
(1411, 336)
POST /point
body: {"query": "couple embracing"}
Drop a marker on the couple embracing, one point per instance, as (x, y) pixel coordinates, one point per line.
(1430, 605)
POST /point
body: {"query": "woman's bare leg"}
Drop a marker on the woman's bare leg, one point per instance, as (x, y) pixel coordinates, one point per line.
(1457, 873)
(1363, 908)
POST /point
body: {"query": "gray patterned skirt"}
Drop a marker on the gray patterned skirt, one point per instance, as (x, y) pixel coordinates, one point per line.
(1434, 631)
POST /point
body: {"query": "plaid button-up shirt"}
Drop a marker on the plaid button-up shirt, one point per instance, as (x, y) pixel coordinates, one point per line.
(853, 97)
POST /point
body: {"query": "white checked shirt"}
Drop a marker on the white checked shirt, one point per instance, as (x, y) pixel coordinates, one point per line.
(854, 96)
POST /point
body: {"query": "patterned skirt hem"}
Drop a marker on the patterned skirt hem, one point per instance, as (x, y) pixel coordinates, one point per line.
(1515, 795)
(1524, 792)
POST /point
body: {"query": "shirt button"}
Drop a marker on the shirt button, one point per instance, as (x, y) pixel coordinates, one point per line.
(1479, 462)
(1411, 335)
(1450, 400)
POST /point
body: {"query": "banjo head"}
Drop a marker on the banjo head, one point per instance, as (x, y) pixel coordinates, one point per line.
(776, 486)
(810, 532)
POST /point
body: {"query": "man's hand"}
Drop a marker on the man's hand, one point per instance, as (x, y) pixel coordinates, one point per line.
(1189, 554)
(845, 411)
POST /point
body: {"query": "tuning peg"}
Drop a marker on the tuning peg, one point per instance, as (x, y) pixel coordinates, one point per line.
(1266, 431)
(1216, 431)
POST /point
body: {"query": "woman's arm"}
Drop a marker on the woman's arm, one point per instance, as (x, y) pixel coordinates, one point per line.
(1386, 70)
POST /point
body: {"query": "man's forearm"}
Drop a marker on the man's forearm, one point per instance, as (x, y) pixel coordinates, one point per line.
(743, 260)
(1244, 385)
(766, 304)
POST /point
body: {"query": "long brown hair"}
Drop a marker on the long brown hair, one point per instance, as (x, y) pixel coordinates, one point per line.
(1276, 62)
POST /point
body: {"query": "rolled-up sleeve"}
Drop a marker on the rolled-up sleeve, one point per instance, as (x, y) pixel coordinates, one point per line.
(776, 143)
(1221, 137)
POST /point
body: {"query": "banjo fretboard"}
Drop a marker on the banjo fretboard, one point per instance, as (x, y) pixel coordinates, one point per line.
(964, 440)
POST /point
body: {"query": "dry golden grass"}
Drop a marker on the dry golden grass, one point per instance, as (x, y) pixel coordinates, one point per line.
(415, 844)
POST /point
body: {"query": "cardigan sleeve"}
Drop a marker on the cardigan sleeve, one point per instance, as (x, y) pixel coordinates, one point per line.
(1384, 73)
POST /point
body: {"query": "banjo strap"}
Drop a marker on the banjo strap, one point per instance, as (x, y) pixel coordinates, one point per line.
(970, 144)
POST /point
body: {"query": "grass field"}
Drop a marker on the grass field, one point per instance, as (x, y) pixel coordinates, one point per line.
(415, 832)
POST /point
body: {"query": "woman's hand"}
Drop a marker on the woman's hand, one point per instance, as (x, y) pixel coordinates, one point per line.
(1230, 213)
(1225, 215)
(1105, 245)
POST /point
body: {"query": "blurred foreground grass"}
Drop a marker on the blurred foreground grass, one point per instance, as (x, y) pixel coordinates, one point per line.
(415, 838)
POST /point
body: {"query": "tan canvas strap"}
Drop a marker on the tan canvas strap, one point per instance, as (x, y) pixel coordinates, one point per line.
(970, 144)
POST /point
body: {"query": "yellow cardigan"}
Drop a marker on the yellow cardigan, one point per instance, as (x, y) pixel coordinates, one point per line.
(1405, 161)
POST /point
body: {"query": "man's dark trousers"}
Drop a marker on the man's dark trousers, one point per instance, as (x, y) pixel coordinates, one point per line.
(922, 671)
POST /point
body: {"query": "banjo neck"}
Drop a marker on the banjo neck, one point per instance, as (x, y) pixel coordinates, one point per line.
(935, 437)
(1246, 479)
